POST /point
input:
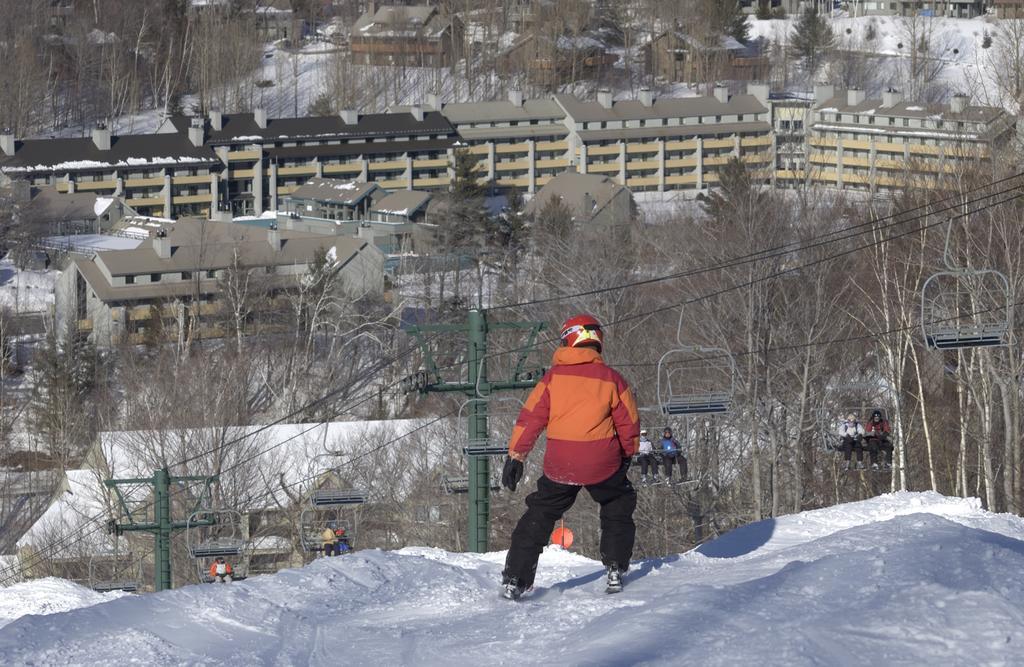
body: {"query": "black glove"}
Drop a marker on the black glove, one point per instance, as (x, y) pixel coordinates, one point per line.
(512, 473)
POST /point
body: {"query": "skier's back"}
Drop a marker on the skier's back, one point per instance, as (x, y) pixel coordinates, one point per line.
(593, 430)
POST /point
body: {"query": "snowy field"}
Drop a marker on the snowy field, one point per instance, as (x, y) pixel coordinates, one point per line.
(908, 579)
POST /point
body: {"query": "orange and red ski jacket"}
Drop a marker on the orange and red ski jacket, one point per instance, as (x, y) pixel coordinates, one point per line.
(213, 568)
(589, 413)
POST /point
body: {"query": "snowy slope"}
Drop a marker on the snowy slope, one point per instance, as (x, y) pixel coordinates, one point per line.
(47, 596)
(901, 579)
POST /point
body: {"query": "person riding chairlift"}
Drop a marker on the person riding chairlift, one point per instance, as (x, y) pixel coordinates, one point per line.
(876, 436)
(220, 571)
(850, 434)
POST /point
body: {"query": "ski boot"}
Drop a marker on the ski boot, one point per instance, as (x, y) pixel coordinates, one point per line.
(887, 465)
(614, 579)
(643, 480)
(511, 590)
(849, 465)
(655, 480)
(874, 467)
(860, 465)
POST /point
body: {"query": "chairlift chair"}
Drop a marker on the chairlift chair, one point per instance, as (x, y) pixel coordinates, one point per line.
(458, 485)
(478, 447)
(963, 307)
(695, 379)
(124, 573)
(221, 539)
(324, 511)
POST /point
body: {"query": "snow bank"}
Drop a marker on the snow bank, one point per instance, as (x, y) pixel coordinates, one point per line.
(900, 579)
(47, 596)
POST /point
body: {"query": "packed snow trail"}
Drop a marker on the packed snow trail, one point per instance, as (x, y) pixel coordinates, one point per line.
(900, 579)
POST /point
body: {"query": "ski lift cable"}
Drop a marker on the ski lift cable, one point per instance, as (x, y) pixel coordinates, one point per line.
(664, 308)
(40, 555)
(755, 257)
(782, 272)
(769, 253)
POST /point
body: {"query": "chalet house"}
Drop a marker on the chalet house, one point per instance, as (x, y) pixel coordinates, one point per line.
(418, 36)
(677, 56)
(555, 61)
(961, 9)
(595, 201)
(164, 283)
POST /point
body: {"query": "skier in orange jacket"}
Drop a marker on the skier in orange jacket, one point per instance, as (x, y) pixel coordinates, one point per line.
(220, 571)
(593, 430)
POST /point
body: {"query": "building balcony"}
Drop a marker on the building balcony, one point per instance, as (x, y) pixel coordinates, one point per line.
(431, 182)
(298, 170)
(523, 147)
(555, 146)
(653, 147)
(641, 181)
(552, 163)
(84, 186)
(711, 144)
(193, 199)
(242, 173)
(234, 156)
(394, 184)
(603, 150)
(347, 168)
(681, 162)
(603, 168)
(392, 165)
(430, 164)
(518, 165)
(690, 145)
(640, 165)
(766, 140)
(681, 179)
(190, 180)
(154, 182)
(521, 182)
(146, 201)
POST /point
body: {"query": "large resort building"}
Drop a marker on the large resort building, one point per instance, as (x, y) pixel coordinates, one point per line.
(245, 164)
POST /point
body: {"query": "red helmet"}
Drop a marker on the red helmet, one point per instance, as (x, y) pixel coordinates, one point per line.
(581, 330)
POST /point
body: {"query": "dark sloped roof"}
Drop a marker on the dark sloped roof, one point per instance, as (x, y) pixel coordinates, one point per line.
(336, 190)
(236, 128)
(126, 150)
(368, 148)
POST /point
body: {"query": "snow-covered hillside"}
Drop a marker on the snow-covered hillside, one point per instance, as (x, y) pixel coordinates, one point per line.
(900, 579)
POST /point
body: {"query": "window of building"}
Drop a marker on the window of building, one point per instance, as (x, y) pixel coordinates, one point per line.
(211, 274)
(154, 277)
(129, 280)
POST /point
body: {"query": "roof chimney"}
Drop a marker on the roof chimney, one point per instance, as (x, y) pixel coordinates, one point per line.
(854, 96)
(515, 96)
(197, 132)
(101, 136)
(162, 244)
(958, 103)
(350, 116)
(432, 102)
(216, 119)
(604, 98)
(760, 92)
(823, 92)
(417, 112)
(891, 97)
(646, 97)
(7, 141)
(260, 116)
(722, 94)
(274, 237)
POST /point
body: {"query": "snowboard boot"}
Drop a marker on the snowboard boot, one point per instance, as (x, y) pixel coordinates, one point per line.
(655, 480)
(511, 590)
(614, 579)
(874, 466)
(887, 465)
(860, 465)
(643, 479)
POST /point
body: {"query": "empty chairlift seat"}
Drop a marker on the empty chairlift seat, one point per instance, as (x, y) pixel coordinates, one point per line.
(696, 380)
(964, 307)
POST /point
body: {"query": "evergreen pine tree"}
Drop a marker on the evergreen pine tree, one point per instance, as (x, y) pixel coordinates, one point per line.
(739, 29)
(812, 39)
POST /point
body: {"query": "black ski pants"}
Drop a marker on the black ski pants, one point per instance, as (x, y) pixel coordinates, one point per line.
(329, 549)
(850, 444)
(647, 462)
(675, 458)
(876, 444)
(550, 501)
